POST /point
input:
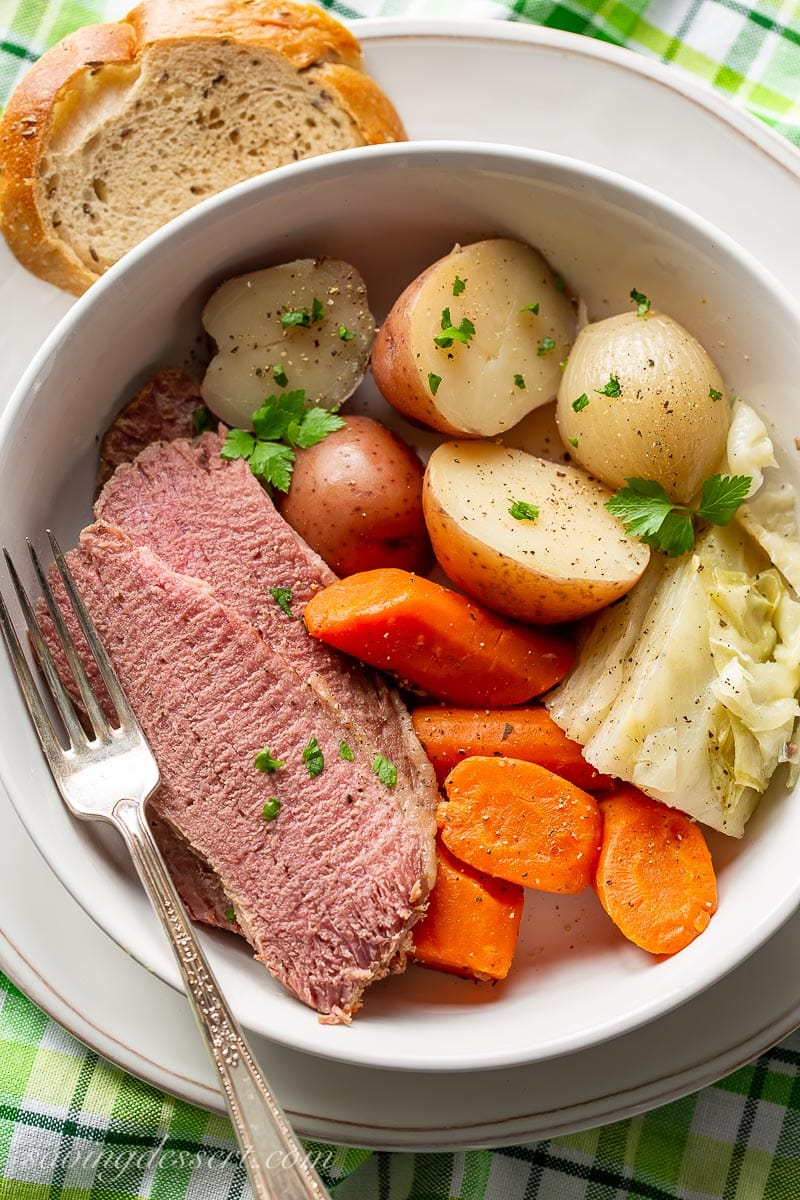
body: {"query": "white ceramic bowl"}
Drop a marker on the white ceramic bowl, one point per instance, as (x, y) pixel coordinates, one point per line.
(391, 211)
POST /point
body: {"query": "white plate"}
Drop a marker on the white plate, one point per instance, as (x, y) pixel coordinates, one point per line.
(520, 72)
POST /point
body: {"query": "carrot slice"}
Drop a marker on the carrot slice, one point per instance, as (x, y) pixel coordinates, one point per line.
(520, 822)
(655, 877)
(435, 639)
(450, 735)
(472, 922)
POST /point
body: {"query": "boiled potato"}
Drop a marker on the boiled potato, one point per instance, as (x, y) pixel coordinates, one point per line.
(356, 498)
(304, 324)
(509, 365)
(640, 397)
(568, 558)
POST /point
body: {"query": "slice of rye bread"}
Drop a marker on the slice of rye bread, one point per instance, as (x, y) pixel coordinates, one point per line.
(160, 411)
(210, 518)
(327, 891)
(122, 126)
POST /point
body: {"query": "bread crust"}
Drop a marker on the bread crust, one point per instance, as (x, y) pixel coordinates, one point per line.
(303, 34)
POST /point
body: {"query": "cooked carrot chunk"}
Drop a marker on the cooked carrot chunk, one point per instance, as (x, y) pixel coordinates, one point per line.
(520, 822)
(472, 923)
(655, 877)
(436, 639)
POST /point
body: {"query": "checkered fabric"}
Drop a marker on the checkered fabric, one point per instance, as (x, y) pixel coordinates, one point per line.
(73, 1127)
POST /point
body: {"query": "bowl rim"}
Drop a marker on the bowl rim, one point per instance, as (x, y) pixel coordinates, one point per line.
(449, 154)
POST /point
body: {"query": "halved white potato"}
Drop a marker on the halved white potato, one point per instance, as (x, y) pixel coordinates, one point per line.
(571, 560)
(523, 326)
(641, 397)
(260, 351)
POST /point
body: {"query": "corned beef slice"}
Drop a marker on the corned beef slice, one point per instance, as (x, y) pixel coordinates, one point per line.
(210, 518)
(327, 891)
(162, 410)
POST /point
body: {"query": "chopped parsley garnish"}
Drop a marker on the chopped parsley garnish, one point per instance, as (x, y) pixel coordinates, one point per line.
(642, 303)
(519, 381)
(648, 514)
(545, 346)
(345, 752)
(612, 388)
(463, 333)
(531, 308)
(230, 915)
(581, 403)
(283, 598)
(573, 442)
(345, 334)
(266, 762)
(302, 316)
(459, 286)
(271, 809)
(313, 758)
(282, 423)
(385, 770)
(563, 364)
(279, 375)
(713, 394)
(202, 420)
(433, 382)
(559, 283)
(520, 510)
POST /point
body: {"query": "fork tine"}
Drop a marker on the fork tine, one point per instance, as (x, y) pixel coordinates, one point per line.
(57, 690)
(53, 749)
(118, 697)
(96, 715)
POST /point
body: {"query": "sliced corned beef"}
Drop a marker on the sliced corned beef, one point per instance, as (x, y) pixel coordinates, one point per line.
(162, 410)
(327, 891)
(210, 518)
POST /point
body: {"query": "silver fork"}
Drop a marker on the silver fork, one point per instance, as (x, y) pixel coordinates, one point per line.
(109, 775)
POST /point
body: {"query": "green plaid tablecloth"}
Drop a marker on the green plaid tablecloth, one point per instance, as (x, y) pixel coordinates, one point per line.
(73, 1127)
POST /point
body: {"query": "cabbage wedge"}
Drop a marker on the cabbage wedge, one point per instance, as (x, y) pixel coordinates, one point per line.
(687, 687)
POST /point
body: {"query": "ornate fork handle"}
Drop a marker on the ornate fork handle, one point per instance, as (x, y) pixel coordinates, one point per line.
(276, 1163)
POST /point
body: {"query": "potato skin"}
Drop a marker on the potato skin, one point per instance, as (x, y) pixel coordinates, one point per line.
(393, 366)
(356, 498)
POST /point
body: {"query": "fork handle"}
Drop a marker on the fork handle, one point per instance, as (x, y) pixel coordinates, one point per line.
(276, 1163)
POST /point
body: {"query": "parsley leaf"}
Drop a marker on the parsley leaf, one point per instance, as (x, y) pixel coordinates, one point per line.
(345, 752)
(266, 762)
(519, 381)
(581, 403)
(313, 758)
(531, 308)
(463, 333)
(302, 316)
(642, 303)
(459, 286)
(345, 334)
(573, 442)
(433, 382)
(202, 420)
(281, 423)
(612, 388)
(713, 394)
(316, 424)
(385, 770)
(545, 346)
(648, 514)
(283, 598)
(559, 284)
(279, 375)
(721, 495)
(230, 915)
(237, 444)
(520, 510)
(271, 809)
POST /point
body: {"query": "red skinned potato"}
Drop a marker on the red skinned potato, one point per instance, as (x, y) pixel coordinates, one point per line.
(474, 343)
(356, 498)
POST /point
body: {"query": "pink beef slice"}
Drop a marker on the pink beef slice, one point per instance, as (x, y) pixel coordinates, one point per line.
(211, 518)
(325, 893)
(162, 410)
